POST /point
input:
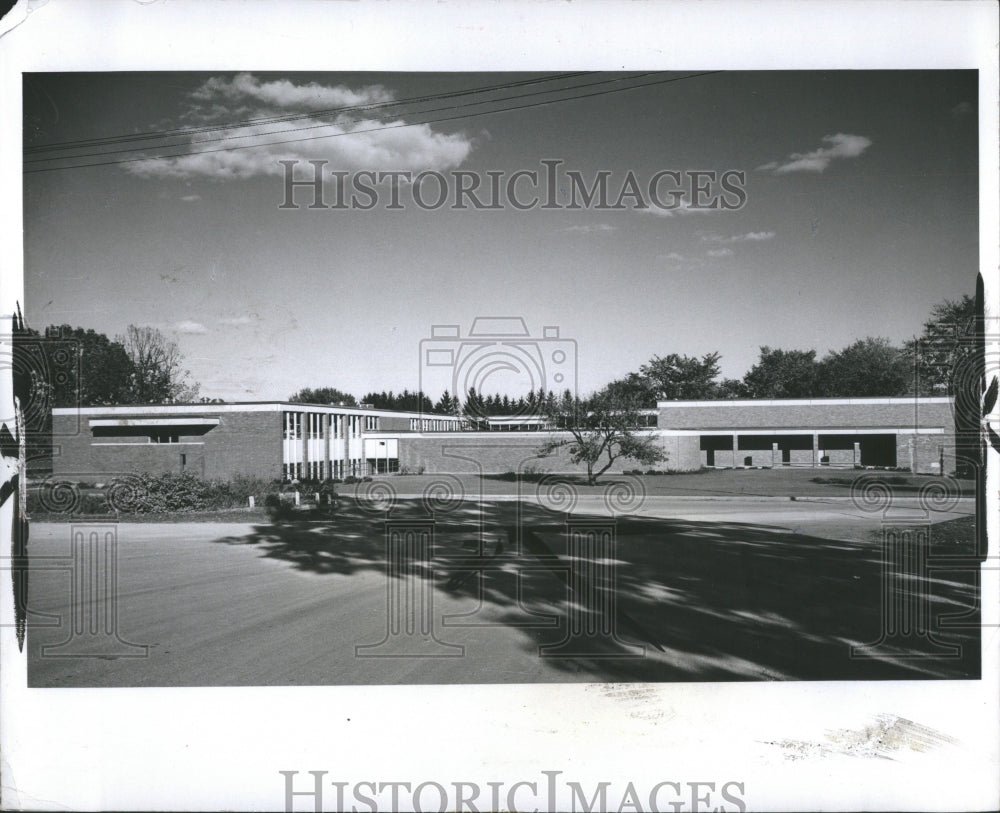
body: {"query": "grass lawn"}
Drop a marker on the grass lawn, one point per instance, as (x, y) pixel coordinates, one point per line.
(784, 482)
(731, 483)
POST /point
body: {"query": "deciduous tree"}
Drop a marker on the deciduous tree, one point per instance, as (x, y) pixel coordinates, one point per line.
(323, 395)
(601, 429)
(677, 377)
(783, 374)
(870, 367)
(157, 368)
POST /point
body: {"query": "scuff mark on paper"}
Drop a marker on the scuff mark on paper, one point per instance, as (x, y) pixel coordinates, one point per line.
(887, 736)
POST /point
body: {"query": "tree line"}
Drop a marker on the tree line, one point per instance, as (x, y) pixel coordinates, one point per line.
(603, 427)
(71, 366)
(78, 366)
(869, 367)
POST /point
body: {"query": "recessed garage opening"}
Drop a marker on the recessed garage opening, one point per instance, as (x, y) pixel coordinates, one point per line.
(711, 444)
(865, 450)
(795, 449)
(878, 450)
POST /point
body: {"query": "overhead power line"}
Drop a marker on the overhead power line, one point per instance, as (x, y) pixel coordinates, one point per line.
(326, 124)
(184, 131)
(457, 117)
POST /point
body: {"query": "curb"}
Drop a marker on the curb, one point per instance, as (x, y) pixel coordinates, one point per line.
(674, 497)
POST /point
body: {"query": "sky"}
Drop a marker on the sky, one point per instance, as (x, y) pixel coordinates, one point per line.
(858, 214)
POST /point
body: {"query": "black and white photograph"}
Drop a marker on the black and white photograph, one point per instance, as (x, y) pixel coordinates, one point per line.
(616, 406)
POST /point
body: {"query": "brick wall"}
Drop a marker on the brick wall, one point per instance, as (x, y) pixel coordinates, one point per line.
(242, 443)
(496, 453)
(925, 454)
(388, 423)
(818, 415)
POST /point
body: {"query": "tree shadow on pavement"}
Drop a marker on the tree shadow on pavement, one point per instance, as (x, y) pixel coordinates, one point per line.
(639, 598)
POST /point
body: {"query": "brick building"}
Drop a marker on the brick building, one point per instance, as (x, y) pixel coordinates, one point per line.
(285, 440)
(913, 433)
(216, 441)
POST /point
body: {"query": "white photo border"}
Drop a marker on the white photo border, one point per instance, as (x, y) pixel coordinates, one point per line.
(193, 749)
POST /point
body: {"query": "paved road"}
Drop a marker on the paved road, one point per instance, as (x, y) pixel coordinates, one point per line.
(705, 591)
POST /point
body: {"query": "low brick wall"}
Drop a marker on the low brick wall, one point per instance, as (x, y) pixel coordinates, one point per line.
(497, 453)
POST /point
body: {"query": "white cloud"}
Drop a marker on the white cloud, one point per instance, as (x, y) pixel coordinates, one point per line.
(719, 252)
(597, 227)
(190, 328)
(840, 145)
(962, 109)
(347, 141)
(683, 207)
(682, 261)
(749, 237)
(245, 319)
(284, 94)
(190, 198)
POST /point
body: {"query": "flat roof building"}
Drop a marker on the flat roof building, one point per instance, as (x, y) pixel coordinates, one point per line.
(279, 439)
(913, 433)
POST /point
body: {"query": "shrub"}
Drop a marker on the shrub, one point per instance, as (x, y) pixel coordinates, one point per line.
(244, 486)
(280, 508)
(79, 504)
(155, 494)
(94, 504)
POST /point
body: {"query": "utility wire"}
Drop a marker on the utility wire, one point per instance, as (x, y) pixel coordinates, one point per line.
(183, 131)
(372, 129)
(327, 124)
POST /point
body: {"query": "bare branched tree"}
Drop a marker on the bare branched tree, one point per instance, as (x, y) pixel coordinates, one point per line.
(158, 375)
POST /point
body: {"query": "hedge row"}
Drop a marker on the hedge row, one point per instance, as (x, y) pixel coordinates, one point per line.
(149, 494)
